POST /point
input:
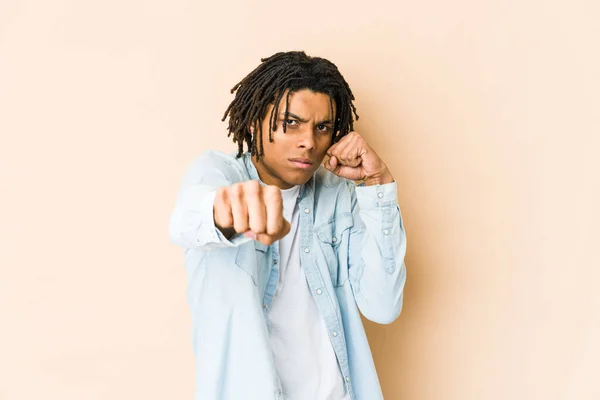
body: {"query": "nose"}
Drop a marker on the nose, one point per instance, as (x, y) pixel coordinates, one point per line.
(306, 139)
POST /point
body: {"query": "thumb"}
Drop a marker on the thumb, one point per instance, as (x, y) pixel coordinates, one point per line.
(347, 171)
(331, 163)
(287, 227)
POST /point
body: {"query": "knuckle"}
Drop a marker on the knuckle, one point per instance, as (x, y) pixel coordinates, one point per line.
(271, 189)
(257, 226)
(251, 186)
(272, 193)
(221, 195)
(240, 226)
(235, 190)
(225, 221)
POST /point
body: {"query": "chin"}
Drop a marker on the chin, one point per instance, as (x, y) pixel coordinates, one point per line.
(298, 179)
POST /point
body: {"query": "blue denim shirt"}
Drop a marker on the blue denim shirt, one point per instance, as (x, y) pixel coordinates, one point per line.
(352, 248)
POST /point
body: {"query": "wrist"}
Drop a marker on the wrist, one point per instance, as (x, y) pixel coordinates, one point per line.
(380, 178)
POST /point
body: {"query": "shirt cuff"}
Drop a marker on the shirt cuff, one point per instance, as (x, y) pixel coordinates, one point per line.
(209, 234)
(377, 196)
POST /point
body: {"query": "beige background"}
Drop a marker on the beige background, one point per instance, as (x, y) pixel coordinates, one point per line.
(487, 113)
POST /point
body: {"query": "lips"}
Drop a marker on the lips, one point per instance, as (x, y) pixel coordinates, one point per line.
(301, 162)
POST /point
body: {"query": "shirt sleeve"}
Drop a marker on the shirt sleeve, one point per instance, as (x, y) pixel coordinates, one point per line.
(192, 225)
(377, 245)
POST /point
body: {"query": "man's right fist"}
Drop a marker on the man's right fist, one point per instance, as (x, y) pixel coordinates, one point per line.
(252, 209)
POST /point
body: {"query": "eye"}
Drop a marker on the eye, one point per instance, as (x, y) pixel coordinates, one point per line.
(291, 122)
(323, 128)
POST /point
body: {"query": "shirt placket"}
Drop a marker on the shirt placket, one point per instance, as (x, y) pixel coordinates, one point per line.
(272, 280)
(320, 293)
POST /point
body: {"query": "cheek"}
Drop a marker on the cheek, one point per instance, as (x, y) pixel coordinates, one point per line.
(324, 144)
(282, 142)
(269, 147)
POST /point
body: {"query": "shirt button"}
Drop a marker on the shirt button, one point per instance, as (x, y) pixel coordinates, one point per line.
(265, 306)
(334, 333)
(380, 195)
(334, 239)
(386, 232)
(274, 262)
(347, 379)
(306, 250)
(306, 210)
(319, 291)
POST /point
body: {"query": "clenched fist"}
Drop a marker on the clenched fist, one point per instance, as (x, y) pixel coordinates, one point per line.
(352, 158)
(252, 209)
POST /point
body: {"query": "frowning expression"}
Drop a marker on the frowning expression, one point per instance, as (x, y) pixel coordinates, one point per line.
(293, 156)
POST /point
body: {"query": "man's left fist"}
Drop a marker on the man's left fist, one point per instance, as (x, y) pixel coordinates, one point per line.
(352, 158)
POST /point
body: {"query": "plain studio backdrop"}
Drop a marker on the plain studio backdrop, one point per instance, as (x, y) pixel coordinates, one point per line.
(487, 113)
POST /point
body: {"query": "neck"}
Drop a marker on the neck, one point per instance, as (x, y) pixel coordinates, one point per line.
(268, 176)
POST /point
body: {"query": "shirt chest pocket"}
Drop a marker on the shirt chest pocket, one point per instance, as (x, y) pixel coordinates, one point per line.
(333, 243)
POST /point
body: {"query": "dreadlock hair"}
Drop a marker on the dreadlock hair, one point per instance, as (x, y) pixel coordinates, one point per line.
(281, 73)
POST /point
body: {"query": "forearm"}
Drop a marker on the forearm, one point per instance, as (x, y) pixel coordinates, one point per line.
(377, 251)
(192, 224)
(380, 178)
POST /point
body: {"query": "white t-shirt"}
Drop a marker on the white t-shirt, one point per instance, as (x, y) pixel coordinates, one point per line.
(303, 354)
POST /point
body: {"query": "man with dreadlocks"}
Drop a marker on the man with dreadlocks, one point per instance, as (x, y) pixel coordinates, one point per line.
(281, 252)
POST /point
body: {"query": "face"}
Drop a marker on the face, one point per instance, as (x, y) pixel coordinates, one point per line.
(293, 157)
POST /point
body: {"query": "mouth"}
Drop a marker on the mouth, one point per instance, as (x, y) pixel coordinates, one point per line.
(303, 163)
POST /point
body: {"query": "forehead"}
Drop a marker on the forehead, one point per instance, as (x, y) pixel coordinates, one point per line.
(307, 103)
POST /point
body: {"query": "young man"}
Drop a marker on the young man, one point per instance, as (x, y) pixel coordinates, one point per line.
(281, 252)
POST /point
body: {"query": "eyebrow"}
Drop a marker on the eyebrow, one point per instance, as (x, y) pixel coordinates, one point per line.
(289, 114)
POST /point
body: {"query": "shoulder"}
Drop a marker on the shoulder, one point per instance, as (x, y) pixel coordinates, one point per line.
(217, 158)
(217, 164)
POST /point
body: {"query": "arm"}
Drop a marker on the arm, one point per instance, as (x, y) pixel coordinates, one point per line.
(377, 240)
(192, 225)
(217, 203)
(377, 246)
